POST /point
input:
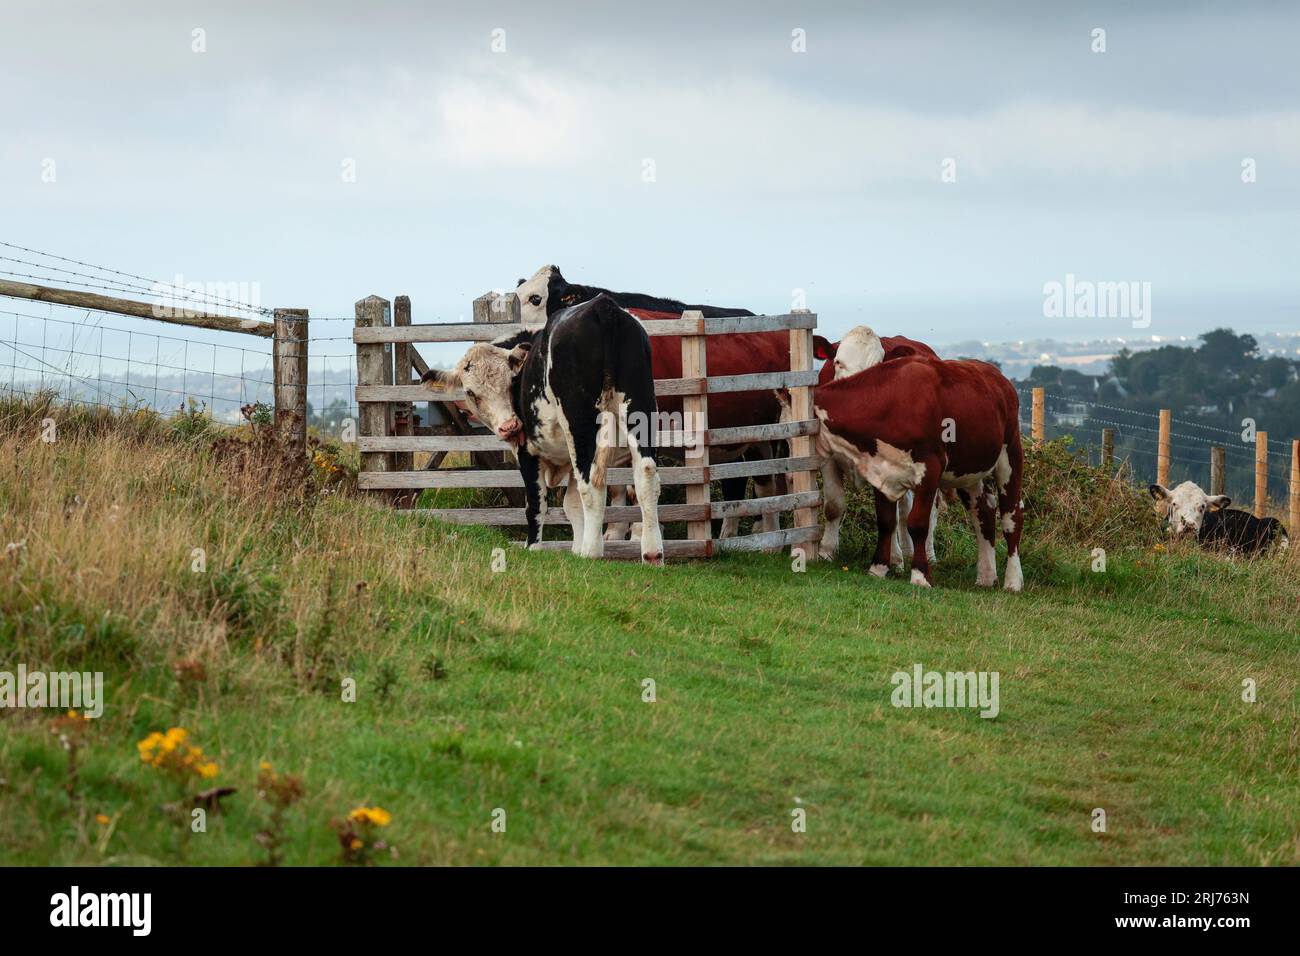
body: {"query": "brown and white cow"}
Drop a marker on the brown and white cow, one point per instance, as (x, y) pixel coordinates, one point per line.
(920, 424)
(548, 291)
(861, 348)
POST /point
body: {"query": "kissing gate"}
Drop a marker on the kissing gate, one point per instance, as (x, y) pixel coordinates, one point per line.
(388, 370)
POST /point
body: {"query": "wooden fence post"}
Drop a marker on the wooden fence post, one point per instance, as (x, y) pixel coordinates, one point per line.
(402, 411)
(373, 312)
(1038, 425)
(1218, 464)
(801, 409)
(496, 307)
(289, 372)
(1107, 449)
(695, 410)
(1261, 473)
(1162, 452)
(1294, 527)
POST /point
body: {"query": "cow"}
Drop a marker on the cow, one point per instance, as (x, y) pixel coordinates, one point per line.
(859, 349)
(551, 395)
(1191, 512)
(548, 290)
(920, 424)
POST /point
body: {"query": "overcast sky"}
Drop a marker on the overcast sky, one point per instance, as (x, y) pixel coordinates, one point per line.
(773, 170)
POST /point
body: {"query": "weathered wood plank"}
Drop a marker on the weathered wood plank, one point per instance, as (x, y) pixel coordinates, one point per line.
(373, 312)
(486, 332)
(769, 540)
(759, 506)
(431, 443)
(631, 550)
(766, 466)
(753, 433)
(614, 514)
(141, 310)
(488, 478)
(801, 408)
(289, 364)
(756, 381)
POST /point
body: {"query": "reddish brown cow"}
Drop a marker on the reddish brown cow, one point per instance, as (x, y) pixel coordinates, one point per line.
(921, 424)
(859, 349)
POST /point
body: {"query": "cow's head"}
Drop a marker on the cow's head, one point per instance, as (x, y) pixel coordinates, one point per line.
(486, 373)
(859, 349)
(1187, 506)
(546, 292)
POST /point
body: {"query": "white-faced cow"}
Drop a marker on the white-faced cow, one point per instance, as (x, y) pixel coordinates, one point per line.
(1191, 512)
(549, 393)
(548, 290)
(920, 424)
(860, 349)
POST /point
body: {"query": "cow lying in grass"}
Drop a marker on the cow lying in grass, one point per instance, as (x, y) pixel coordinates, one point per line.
(1192, 512)
(919, 424)
(548, 393)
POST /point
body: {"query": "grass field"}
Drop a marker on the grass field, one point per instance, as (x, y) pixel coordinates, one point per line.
(523, 691)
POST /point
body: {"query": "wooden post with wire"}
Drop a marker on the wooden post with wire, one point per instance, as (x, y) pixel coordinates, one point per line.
(289, 372)
(1107, 450)
(1218, 466)
(1162, 451)
(695, 414)
(1294, 526)
(1038, 424)
(1261, 473)
(402, 411)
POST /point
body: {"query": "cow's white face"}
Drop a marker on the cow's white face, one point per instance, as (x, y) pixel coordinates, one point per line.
(859, 349)
(532, 296)
(1187, 505)
(485, 373)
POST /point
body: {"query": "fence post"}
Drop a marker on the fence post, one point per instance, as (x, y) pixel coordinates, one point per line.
(1162, 453)
(1218, 462)
(373, 312)
(289, 371)
(1107, 449)
(801, 409)
(695, 409)
(1294, 526)
(1261, 473)
(402, 411)
(1038, 426)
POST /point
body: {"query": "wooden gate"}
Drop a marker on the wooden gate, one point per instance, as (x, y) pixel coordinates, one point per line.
(387, 360)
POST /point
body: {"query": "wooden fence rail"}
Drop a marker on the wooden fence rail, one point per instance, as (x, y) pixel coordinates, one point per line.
(384, 448)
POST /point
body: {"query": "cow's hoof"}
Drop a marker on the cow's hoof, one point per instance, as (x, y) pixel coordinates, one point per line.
(878, 571)
(824, 554)
(535, 546)
(919, 579)
(1015, 587)
(986, 582)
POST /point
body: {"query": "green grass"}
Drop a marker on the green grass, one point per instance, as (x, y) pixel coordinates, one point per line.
(523, 690)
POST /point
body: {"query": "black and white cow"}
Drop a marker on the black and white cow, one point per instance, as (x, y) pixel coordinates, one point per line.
(1192, 512)
(553, 394)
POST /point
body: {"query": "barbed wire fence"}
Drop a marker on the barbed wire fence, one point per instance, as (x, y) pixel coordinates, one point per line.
(103, 358)
(1136, 433)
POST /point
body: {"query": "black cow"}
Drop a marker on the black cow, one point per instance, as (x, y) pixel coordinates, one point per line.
(557, 395)
(548, 291)
(1192, 511)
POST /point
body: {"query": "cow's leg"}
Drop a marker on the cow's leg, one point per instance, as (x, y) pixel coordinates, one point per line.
(733, 489)
(918, 519)
(534, 497)
(929, 538)
(886, 521)
(574, 509)
(902, 553)
(645, 472)
(617, 530)
(589, 460)
(1012, 509)
(980, 503)
(833, 496)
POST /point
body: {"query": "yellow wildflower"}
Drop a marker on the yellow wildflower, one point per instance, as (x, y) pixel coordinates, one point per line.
(101, 819)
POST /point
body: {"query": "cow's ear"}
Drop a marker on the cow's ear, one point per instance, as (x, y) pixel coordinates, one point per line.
(823, 349)
(518, 354)
(1219, 502)
(1159, 492)
(520, 282)
(438, 379)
